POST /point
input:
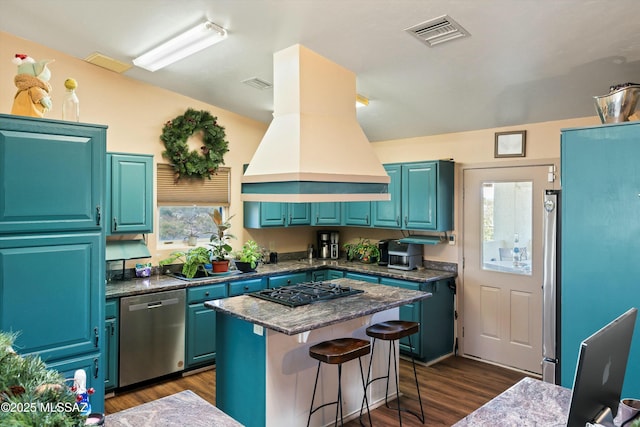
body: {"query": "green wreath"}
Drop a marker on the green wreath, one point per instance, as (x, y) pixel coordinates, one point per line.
(192, 163)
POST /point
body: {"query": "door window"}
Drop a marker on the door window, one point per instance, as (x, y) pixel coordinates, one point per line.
(507, 226)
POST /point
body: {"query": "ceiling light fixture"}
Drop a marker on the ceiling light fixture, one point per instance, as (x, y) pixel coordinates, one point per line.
(361, 101)
(181, 46)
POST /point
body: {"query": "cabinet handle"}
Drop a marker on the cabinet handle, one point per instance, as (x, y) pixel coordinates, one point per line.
(113, 329)
(398, 219)
(206, 294)
(366, 219)
(96, 365)
(96, 337)
(98, 215)
(406, 220)
(115, 224)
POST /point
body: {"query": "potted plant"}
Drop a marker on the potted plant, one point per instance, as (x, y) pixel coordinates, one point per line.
(193, 260)
(247, 258)
(363, 250)
(220, 247)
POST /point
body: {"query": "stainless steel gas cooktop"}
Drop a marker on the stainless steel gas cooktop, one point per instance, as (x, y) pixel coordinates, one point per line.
(305, 293)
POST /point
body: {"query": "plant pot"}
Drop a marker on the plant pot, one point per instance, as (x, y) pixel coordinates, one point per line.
(220, 266)
(192, 240)
(245, 267)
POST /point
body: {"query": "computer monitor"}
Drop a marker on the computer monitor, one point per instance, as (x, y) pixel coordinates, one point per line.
(602, 363)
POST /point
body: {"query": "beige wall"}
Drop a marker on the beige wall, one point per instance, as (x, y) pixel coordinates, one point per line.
(135, 113)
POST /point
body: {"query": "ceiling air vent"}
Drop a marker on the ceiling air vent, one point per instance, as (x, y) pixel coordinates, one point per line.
(106, 62)
(257, 83)
(437, 31)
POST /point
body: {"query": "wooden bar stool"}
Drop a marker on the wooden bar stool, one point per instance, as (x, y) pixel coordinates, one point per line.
(337, 352)
(392, 331)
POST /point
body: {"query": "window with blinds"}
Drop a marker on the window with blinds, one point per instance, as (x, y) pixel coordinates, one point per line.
(214, 191)
(185, 207)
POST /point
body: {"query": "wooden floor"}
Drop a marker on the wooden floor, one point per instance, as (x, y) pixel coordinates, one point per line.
(450, 390)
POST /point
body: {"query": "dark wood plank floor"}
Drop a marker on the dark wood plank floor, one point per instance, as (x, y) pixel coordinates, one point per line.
(450, 390)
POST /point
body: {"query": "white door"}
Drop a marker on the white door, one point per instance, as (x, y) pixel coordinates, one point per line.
(502, 265)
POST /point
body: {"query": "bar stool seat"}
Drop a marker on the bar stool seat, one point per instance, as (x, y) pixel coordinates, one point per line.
(337, 352)
(392, 331)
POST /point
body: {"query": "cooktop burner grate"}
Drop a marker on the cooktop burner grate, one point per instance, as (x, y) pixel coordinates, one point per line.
(305, 293)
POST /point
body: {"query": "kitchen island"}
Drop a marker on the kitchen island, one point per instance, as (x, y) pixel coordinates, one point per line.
(264, 375)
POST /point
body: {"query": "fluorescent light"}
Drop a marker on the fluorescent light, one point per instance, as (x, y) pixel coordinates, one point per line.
(361, 101)
(187, 43)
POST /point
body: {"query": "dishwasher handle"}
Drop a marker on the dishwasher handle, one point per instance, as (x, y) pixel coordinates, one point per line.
(153, 304)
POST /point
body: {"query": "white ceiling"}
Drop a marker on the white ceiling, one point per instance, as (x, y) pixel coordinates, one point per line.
(526, 60)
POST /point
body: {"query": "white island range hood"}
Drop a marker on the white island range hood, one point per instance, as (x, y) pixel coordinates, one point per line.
(314, 149)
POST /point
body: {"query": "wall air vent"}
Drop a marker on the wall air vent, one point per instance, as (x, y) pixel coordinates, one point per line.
(257, 83)
(437, 31)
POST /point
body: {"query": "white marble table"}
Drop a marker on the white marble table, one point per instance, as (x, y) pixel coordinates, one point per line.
(529, 403)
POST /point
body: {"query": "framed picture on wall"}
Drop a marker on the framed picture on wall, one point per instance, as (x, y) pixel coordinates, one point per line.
(510, 144)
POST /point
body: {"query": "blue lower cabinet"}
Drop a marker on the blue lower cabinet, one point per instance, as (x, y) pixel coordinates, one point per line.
(201, 324)
(287, 279)
(363, 277)
(435, 315)
(243, 286)
(110, 349)
(335, 274)
(319, 276)
(95, 378)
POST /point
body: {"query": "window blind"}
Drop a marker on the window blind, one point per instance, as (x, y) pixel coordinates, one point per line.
(214, 191)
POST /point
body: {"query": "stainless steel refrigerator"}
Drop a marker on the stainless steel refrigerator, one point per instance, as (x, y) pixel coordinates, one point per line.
(551, 288)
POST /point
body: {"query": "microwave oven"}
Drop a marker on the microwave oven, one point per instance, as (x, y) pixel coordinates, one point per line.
(404, 256)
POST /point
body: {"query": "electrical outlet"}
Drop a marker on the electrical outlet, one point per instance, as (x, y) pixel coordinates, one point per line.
(452, 239)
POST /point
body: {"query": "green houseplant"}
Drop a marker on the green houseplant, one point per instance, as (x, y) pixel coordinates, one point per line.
(247, 258)
(363, 251)
(219, 242)
(193, 261)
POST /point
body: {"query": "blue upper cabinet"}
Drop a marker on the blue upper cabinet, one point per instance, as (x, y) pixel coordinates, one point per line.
(129, 193)
(326, 213)
(427, 196)
(51, 175)
(357, 213)
(276, 214)
(388, 214)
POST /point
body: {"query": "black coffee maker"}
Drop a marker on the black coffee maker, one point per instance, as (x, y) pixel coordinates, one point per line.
(383, 246)
(324, 244)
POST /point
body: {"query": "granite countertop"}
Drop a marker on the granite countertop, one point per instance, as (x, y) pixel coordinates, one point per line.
(158, 283)
(295, 320)
(530, 402)
(181, 409)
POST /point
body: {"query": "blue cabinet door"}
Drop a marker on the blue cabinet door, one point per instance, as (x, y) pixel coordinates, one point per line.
(110, 349)
(287, 279)
(200, 334)
(52, 292)
(357, 213)
(335, 274)
(326, 213)
(419, 196)
(387, 214)
(273, 214)
(299, 213)
(51, 175)
(130, 193)
(90, 364)
(243, 286)
(410, 313)
(427, 195)
(363, 277)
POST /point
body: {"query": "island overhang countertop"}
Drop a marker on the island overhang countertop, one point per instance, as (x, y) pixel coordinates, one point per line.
(296, 320)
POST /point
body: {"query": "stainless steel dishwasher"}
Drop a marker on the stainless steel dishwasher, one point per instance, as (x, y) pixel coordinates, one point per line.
(152, 328)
